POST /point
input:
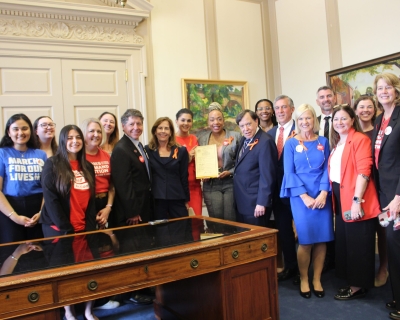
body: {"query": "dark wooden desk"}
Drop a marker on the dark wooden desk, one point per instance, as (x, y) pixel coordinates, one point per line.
(227, 277)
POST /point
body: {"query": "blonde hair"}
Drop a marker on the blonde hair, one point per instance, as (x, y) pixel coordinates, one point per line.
(392, 80)
(300, 110)
(84, 125)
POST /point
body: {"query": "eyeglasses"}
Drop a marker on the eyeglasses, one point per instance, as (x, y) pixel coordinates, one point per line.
(47, 125)
(264, 109)
(245, 125)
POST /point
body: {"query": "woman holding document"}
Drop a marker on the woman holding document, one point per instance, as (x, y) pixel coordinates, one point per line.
(218, 192)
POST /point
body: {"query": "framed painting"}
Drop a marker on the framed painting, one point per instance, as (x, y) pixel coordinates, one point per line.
(357, 80)
(198, 94)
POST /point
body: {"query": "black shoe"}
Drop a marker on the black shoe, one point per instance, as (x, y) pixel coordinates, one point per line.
(287, 274)
(394, 315)
(296, 280)
(349, 295)
(344, 289)
(139, 299)
(391, 305)
(306, 295)
(319, 294)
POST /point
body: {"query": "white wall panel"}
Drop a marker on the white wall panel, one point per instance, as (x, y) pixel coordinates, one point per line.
(369, 29)
(240, 45)
(25, 81)
(95, 82)
(303, 48)
(179, 50)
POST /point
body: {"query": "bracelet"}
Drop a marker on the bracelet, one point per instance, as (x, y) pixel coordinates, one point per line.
(12, 256)
(10, 214)
(109, 205)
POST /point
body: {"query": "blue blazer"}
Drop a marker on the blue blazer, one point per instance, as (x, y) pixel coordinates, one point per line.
(255, 174)
(169, 175)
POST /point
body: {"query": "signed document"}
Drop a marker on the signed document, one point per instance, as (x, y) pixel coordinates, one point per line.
(206, 161)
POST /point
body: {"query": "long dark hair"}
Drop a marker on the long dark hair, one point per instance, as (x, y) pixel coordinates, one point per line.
(114, 137)
(6, 141)
(62, 167)
(363, 98)
(273, 117)
(334, 136)
(53, 144)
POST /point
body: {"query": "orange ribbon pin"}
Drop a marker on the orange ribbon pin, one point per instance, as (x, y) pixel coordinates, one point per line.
(228, 141)
(251, 145)
(302, 144)
(175, 155)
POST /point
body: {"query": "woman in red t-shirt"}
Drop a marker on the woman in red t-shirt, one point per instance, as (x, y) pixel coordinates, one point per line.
(68, 182)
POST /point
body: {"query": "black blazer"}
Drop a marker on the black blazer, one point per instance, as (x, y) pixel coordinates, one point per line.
(255, 174)
(56, 208)
(387, 176)
(169, 175)
(131, 182)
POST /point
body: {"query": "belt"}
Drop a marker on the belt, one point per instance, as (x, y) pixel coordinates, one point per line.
(101, 195)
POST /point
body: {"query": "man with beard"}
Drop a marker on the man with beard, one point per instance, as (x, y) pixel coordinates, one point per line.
(326, 99)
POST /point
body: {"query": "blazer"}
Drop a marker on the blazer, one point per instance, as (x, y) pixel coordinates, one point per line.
(170, 175)
(131, 182)
(228, 151)
(255, 174)
(356, 159)
(387, 175)
(280, 171)
(56, 208)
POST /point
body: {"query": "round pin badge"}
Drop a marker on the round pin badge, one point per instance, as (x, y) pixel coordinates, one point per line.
(388, 130)
(141, 159)
(299, 148)
(320, 147)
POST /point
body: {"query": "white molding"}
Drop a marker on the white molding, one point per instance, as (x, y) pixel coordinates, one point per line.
(62, 30)
(334, 39)
(211, 39)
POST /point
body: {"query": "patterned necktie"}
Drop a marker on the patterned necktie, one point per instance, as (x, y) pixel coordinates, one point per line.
(280, 142)
(326, 127)
(144, 157)
(245, 144)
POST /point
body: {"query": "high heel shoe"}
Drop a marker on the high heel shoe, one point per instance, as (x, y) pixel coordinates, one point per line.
(319, 294)
(306, 295)
(391, 305)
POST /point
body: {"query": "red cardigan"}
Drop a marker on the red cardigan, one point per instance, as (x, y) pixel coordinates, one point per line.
(357, 159)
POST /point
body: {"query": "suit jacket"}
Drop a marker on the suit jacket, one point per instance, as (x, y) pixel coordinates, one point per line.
(169, 175)
(357, 159)
(131, 182)
(387, 175)
(280, 171)
(255, 174)
(56, 208)
(228, 152)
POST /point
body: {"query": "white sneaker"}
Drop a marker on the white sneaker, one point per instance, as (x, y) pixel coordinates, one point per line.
(109, 305)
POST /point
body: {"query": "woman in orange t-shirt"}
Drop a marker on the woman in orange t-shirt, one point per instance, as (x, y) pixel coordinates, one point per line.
(184, 121)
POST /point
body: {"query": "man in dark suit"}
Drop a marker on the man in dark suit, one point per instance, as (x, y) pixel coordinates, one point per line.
(130, 174)
(326, 99)
(133, 203)
(284, 108)
(255, 171)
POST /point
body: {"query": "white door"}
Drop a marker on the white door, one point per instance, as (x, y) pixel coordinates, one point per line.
(31, 86)
(91, 87)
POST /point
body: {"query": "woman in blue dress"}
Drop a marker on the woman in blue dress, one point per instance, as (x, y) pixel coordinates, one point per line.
(306, 183)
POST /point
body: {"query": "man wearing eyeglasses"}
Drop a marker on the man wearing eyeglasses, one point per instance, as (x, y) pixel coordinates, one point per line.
(255, 171)
(284, 108)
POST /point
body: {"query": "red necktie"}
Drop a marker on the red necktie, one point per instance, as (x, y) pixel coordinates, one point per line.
(280, 142)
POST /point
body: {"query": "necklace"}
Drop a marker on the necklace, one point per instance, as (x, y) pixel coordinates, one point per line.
(308, 160)
(218, 141)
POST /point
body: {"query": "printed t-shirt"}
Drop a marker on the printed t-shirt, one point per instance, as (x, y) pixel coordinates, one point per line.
(379, 139)
(21, 171)
(102, 169)
(79, 199)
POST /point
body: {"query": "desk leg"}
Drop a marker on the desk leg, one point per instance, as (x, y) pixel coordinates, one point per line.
(248, 291)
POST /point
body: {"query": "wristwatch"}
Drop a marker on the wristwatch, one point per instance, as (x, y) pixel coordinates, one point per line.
(357, 200)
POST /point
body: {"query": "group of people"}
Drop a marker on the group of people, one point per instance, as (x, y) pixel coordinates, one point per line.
(331, 175)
